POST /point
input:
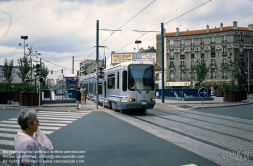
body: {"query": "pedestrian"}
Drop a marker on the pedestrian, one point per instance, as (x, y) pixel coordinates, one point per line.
(83, 94)
(78, 98)
(28, 150)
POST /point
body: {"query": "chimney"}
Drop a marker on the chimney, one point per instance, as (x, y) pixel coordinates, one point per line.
(250, 26)
(221, 27)
(177, 33)
(207, 28)
(235, 25)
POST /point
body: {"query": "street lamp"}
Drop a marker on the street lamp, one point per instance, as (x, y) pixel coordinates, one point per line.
(248, 72)
(137, 42)
(25, 38)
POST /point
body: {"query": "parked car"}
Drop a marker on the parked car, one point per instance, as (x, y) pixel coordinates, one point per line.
(213, 93)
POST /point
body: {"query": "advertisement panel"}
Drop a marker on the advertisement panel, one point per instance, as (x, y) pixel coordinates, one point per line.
(150, 57)
(119, 58)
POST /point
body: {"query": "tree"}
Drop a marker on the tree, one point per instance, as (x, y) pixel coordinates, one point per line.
(44, 73)
(8, 71)
(201, 72)
(24, 68)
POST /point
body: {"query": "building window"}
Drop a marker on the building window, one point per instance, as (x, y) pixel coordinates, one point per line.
(202, 41)
(241, 50)
(241, 38)
(212, 40)
(182, 42)
(213, 62)
(171, 64)
(172, 54)
(213, 74)
(182, 75)
(224, 39)
(172, 75)
(192, 64)
(224, 50)
(192, 42)
(171, 43)
(182, 64)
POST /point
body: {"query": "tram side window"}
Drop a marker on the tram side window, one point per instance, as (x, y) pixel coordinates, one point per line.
(111, 81)
(124, 80)
(118, 80)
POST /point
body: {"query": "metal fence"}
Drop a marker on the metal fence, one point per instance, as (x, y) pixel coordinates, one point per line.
(180, 93)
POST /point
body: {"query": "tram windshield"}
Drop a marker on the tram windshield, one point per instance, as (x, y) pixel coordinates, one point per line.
(141, 77)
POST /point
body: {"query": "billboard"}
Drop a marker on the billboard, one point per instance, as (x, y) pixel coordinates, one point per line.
(145, 57)
(119, 58)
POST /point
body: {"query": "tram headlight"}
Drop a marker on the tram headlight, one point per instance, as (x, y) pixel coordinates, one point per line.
(152, 99)
(131, 99)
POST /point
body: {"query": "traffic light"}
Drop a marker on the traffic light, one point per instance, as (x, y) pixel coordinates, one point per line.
(37, 70)
(101, 72)
(41, 79)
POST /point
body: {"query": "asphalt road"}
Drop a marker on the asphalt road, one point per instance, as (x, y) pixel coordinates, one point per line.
(101, 139)
(240, 111)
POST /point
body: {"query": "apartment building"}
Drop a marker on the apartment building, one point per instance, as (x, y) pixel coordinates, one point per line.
(212, 45)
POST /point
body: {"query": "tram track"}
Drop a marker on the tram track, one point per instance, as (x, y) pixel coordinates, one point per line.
(229, 134)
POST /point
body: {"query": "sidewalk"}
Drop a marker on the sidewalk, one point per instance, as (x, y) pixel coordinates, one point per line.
(216, 102)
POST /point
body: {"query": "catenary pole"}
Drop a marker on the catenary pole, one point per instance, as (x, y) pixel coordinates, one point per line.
(162, 60)
(97, 61)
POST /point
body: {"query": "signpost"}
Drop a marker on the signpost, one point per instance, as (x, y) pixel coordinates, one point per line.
(202, 92)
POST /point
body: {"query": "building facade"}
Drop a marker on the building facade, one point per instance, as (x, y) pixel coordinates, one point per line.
(215, 46)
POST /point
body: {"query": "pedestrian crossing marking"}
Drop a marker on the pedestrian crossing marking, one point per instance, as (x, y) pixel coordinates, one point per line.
(50, 121)
(16, 130)
(6, 142)
(8, 135)
(43, 124)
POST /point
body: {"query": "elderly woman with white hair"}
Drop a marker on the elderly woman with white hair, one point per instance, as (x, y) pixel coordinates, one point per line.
(27, 148)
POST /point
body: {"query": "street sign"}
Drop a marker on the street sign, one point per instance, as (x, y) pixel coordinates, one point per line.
(202, 92)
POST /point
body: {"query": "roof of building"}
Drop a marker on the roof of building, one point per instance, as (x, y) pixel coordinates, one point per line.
(204, 31)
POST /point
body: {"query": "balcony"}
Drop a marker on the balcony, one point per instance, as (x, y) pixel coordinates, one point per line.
(171, 45)
(224, 53)
(212, 54)
(212, 42)
(224, 65)
(192, 66)
(192, 44)
(224, 41)
(192, 78)
(181, 66)
(202, 43)
(241, 54)
(192, 55)
(182, 45)
(171, 66)
(202, 55)
(213, 65)
(224, 77)
(171, 57)
(213, 77)
(182, 56)
(182, 78)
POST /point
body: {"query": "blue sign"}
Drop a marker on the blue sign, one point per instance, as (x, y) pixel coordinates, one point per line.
(203, 92)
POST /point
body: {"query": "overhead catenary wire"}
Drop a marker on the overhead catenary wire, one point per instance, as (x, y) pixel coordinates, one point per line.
(125, 24)
(165, 23)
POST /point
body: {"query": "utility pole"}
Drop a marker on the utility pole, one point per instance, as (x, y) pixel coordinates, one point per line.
(97, 61)
(162, 58)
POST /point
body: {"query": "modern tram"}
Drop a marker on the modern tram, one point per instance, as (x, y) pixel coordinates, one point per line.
(126, 86)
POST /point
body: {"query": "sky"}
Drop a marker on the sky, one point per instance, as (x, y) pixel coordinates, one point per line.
(61, 29)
